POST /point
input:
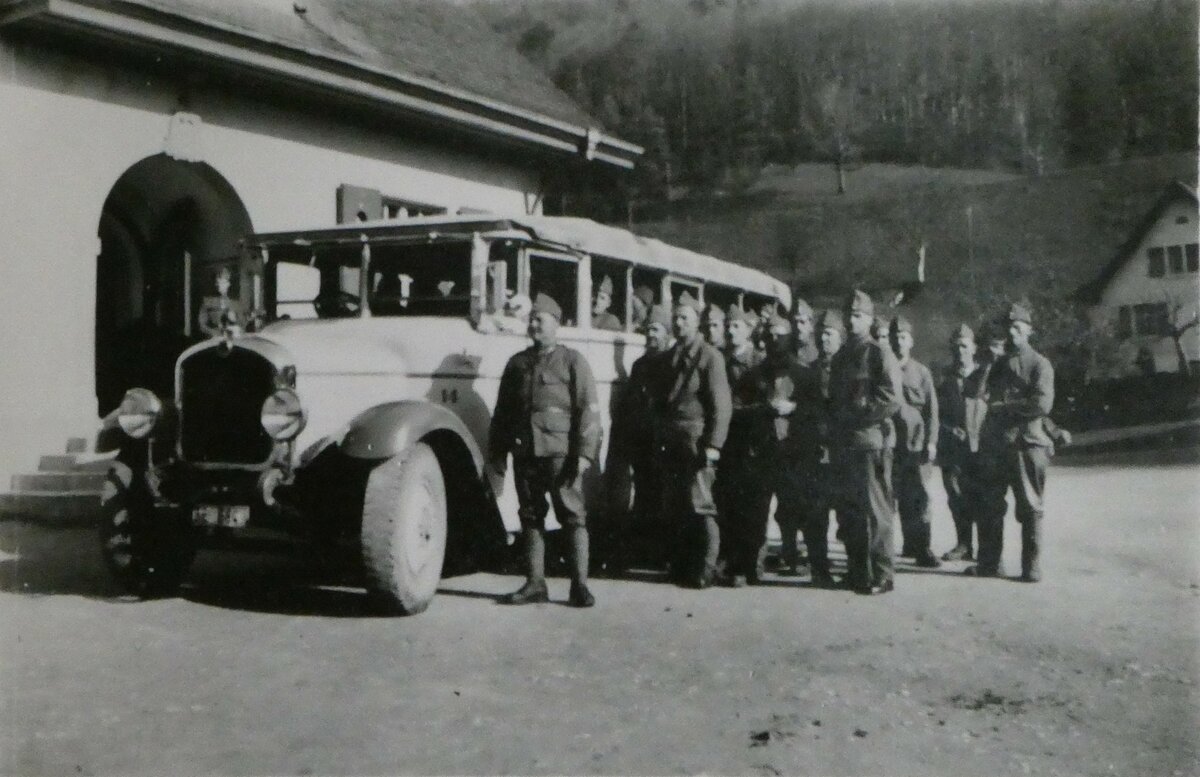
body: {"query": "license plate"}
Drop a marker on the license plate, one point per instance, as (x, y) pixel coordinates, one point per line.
(230, 516)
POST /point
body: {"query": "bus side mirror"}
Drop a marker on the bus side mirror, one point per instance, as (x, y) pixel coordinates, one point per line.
(497, 291)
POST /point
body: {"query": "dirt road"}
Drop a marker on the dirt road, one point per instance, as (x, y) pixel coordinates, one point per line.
(1093, 671)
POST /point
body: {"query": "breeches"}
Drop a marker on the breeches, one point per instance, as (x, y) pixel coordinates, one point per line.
(540, 483)
(864, 481)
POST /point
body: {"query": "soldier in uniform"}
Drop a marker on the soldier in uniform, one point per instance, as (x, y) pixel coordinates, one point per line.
(803, 333)
(960, 417)
(1015, 449)
(916, 446)
(636, 423)
(547, 417)
(712, 324)
(821, 486)
(221, 311)
(602, 317)
(739, 479)
(693, 407)
(864, 389)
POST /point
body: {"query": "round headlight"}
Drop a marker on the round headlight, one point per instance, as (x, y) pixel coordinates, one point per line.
(282, 415)
(139, 413)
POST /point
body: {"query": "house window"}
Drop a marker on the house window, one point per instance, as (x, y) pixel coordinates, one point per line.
(1175, 254)
(1193, 262)
(1124, 322)
(396, 208)
(1150, 319)
(1158, 263)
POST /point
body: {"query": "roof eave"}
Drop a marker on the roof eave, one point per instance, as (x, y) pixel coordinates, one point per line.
(138, 27)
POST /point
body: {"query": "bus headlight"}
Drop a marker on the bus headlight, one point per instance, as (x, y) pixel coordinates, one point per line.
(139, 413)
(282, 415)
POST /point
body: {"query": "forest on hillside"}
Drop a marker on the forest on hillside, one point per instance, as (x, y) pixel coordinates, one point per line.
(717, 89)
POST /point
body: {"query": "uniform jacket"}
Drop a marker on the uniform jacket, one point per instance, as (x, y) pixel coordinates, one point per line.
(1020, 394)
(743, 421)
(691, 397)
(917, 420)
(607, 321)
(961, 411)
(865, 392)
(807, 355)
(791, 436)
(636, 419)
(546, 406)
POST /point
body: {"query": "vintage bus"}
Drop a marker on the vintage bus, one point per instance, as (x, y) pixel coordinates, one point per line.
(354, 412)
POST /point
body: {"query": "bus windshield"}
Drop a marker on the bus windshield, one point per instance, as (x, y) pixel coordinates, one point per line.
(418, 279)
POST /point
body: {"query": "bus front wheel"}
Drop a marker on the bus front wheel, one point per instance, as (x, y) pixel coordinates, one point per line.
(404, 530)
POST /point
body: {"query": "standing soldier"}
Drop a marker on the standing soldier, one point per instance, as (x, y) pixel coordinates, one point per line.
(802, 330)
(1015, 449)
(547, 416)
(739, 478)
(637, 432)
(692, 419)
(960, 414)
(916, 446)
(864, 389)
(713, 326)
(819, 480)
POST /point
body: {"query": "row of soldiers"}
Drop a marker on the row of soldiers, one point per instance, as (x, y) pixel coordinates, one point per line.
(820, 413)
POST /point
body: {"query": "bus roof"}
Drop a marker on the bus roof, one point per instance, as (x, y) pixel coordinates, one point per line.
(578, 234)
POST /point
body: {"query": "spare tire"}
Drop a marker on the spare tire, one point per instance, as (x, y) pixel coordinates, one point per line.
(404, 530)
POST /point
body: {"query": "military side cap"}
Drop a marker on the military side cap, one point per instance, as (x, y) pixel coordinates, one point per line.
(801, 306)
(858, 301)
(900, 324)
(686, 300)
(1019, 312)
(996, 329)
(831, 319)
(713, 312)
(962, 332)
(736, 313)
(776, 321)
(645, 294)
(543, 303)
(606, 286)
(879, 326)
(659, 314)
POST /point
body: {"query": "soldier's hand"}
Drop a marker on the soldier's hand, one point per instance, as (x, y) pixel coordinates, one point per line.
(711, 456)
(783, 406)
(498, 465)
(931, 453)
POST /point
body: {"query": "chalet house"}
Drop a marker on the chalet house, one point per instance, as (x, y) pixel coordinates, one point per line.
(141, 139)
(1152, 287)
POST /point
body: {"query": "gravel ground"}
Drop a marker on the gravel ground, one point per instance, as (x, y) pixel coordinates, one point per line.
(254, 670)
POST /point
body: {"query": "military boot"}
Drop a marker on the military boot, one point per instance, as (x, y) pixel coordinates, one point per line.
(534, 590)
(580, 596)
(1031, 547)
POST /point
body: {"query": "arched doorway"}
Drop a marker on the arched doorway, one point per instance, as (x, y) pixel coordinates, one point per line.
(165, 227)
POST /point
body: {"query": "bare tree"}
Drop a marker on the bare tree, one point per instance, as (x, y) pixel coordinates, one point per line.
(1178, 323)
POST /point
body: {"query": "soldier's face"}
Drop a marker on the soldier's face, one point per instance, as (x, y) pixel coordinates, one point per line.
(803, 324)
(1018, 333)
(543, 328)
(657, 337)
(830, 341)
(738, 332)
(860, 323)
(714, 330)
(603, 302)
(223, 284)
(902, 344)
(685, 323)
(996, 348)
(963, 351)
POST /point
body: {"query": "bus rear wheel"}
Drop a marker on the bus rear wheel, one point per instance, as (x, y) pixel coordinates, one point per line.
(404, 530)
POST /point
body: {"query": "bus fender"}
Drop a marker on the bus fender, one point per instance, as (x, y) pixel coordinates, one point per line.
(385, 430)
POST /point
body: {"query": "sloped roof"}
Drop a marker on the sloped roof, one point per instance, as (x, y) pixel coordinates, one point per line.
(430, 39)
(435, 61)
(1175, 192)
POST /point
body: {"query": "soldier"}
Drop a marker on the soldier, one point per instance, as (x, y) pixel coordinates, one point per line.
(960, 414)
(1015, 449)
(916, 446)
(637, 425)
(602, 317)
(802, 332)
(820, 481)
(692, 419)
(219, 312)
(864, 389)
(547, 416)
(713, 325)
(782, 388)
(739, 478)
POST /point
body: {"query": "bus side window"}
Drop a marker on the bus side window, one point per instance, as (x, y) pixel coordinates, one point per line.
(647, 292)
(558, 278)
(609, 311)
(503, 275)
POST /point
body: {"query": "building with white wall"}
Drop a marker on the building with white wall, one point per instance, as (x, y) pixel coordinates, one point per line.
(1152, 285)
(141, 139)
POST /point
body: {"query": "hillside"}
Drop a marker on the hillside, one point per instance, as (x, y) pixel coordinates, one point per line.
(1035, 237)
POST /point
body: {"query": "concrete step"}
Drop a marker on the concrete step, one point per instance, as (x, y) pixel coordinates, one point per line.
(53, 508)
(79, 480)
(78, 445)
(75, 463)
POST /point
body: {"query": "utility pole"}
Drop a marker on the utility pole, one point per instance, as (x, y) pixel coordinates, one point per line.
(971, 235)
